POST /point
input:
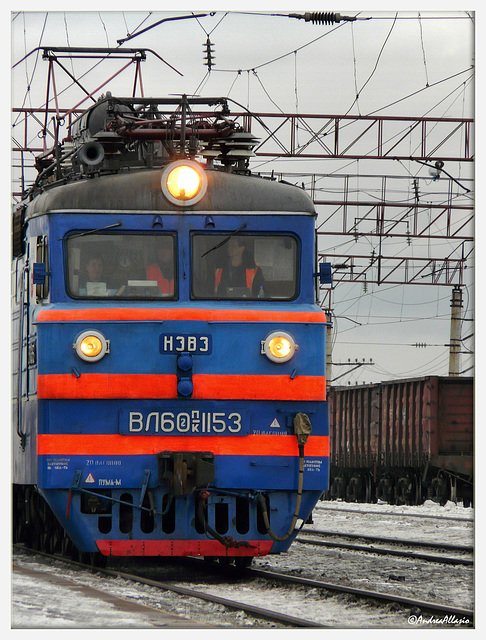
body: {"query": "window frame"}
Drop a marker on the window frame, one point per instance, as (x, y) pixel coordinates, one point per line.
(126, 233)
(252, 234)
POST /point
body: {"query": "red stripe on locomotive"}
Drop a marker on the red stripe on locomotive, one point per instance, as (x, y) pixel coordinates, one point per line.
(208, 315)
(162, 386)
(116, 444)
(181, 548)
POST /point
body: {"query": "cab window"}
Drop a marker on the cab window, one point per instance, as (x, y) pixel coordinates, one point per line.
(122, 266)
(237, 267)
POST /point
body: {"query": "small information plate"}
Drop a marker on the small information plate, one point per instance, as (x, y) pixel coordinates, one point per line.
(196, 343)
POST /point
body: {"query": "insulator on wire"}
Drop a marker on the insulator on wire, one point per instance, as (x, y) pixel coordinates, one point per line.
(209, 57)
(321, 17)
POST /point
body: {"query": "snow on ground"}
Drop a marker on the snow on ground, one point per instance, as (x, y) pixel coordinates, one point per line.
(449, 584)
(46, 605)
(445, 525)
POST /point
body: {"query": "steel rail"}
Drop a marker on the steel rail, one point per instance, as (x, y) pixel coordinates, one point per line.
(273, 576)
(389, 552)
(391, 513)
(398, 541)
(257, 612)
(361, 593)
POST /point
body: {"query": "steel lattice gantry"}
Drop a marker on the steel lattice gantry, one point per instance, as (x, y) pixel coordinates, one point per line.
(318, 136)
(361, 137)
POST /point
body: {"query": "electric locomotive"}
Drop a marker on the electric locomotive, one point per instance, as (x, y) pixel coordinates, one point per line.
(169, 392)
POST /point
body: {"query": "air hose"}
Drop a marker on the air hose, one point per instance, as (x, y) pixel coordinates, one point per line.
(227, 541)
(302, 429)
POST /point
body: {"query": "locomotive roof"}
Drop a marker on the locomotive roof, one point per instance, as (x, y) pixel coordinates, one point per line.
(140, 191)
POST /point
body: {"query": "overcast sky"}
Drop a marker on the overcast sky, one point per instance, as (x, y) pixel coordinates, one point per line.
(400, 64)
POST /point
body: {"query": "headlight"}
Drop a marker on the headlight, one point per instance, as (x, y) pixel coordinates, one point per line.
(279, 346)
(91, 346)
(184, 182)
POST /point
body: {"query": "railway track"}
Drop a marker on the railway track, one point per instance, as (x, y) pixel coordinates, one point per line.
(95, 608)
(322, 538)
(365, 594)
(372, 512)
(231, 604)
(236, 605)
(279, 579)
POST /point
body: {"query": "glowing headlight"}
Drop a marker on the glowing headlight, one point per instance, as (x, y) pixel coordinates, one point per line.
(91, 346)
(279, 346)
(184, 182)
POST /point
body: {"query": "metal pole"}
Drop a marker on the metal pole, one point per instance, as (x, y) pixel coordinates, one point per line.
(455, 341)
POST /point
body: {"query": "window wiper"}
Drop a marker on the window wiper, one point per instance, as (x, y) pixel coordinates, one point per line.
(223, 242)
(87, 233)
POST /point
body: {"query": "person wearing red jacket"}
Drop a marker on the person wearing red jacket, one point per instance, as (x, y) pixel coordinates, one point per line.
(162, 271)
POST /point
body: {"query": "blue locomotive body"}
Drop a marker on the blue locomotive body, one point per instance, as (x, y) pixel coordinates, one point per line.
(169, 363)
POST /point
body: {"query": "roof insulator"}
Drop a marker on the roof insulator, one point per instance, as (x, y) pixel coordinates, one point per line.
(322, 17)
(209, 57)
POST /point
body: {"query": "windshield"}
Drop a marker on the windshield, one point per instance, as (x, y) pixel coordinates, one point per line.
(240, 266)
(110, 265)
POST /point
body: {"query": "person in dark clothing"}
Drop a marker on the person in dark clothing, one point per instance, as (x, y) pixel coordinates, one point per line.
(240, 272)
(94, 281)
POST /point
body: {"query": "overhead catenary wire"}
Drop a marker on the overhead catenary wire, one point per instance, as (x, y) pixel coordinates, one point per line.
(104, 29)
(208, 33)
(427, 368)
(423, 50)
(375, 66)
(285, 55)
(267, 88)
(29, 81)
(139, 24)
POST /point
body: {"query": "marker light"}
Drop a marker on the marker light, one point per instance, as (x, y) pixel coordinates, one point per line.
(184, 182)
(279, 346)
(91, 346)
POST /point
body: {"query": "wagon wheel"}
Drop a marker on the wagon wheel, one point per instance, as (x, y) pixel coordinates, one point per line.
(355, 492)
(406, 490)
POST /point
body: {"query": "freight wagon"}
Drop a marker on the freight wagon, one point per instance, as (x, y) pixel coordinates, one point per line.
(402, 441)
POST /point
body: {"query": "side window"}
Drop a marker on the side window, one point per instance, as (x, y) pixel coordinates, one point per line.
(41, 255)
(244, 266)
(18, 239)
